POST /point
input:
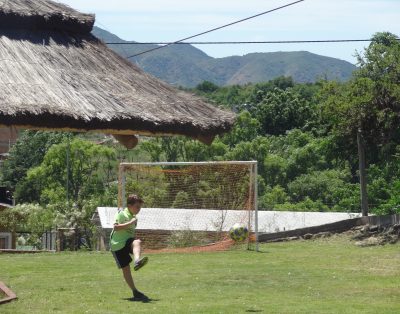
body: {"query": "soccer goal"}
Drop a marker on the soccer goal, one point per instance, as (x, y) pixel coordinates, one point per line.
(192, 204)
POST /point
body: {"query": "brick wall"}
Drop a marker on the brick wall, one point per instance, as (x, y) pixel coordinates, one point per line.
(159, 239)
(156, 239)
(153, 239)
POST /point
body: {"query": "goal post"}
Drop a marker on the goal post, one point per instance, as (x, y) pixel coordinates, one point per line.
(196, 202)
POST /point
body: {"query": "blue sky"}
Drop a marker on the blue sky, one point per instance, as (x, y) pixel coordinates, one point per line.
(169, 20)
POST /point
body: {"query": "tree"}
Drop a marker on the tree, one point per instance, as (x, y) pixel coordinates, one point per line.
(246, 129)
(256, 149)
(275, 168)
(261, 90)
(28, 152)
(71, 194)
(272, 197)
(207, 87)
(330, 187)
(153, 148)
(370, 102)
(183, 149)
(48, 182)
(377, 87)
(282, 110)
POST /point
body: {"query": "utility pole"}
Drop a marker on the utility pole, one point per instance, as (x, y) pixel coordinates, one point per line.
(363, 174)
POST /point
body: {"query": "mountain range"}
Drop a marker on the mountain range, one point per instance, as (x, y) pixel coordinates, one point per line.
(187, 66)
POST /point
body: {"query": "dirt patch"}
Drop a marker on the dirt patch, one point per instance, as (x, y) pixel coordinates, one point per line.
(219, 246)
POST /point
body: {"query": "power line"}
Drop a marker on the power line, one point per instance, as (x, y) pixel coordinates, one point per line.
(217, 28)
(243, 42)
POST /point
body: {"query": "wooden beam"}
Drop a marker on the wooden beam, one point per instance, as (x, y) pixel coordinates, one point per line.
(8, 292)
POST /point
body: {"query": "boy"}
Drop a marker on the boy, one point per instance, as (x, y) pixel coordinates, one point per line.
(123, 243)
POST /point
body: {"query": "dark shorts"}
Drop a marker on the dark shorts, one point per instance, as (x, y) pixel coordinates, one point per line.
(122, 256)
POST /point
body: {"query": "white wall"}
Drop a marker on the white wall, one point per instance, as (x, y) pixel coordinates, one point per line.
(210, 220)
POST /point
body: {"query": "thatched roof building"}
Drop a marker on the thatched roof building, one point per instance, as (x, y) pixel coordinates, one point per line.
(55, 74)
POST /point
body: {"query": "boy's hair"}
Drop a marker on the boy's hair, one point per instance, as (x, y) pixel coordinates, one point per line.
(133, 199)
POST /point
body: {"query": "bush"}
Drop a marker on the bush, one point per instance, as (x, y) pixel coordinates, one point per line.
(307, 205)
(276, 195)
(329, 187)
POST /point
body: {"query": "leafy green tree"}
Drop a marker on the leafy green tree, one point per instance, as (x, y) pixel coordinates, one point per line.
(261, 90)
(196, 151)
(85, 176)
(283, 110)
(87, 182)
(301, 151)
(183, 149)
(273, 197)
(377, 90)
(370, 102)
(275, 168)
(246, 128)
(392, 204)
(31, 218)
(12, 219)
(153, 148)
(307, 205)
(28, 152)
(256, 149)
(207, 87)
(330, 187)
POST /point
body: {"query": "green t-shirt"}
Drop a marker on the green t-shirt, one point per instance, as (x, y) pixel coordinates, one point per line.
(118, 238)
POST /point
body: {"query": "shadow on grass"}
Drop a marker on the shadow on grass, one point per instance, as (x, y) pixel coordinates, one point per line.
(149, 300)
(259, 251)
(253, 311)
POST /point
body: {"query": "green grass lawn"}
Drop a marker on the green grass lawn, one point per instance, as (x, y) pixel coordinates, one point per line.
(322, 276)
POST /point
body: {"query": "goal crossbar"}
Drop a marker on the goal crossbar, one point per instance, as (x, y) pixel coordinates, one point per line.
(187, 163)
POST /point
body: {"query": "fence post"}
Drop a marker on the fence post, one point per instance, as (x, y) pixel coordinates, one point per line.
(363, 175)
(256, 204)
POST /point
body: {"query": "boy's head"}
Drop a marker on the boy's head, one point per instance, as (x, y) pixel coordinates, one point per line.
(134, 203)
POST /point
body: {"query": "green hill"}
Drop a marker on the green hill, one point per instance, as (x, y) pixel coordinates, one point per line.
(185, 65)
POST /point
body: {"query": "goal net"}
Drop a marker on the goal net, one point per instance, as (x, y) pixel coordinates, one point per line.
(192, 205)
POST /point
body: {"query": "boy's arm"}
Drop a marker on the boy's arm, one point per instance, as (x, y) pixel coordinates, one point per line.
(125, 225)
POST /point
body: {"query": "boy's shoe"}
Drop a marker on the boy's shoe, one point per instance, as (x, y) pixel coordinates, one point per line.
(140, 263)
(138, 296)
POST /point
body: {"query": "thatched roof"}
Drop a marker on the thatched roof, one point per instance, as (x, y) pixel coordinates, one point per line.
(42, 14)
(54, 74)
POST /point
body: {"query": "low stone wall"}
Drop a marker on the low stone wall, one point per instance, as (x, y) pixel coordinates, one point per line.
(336, 227)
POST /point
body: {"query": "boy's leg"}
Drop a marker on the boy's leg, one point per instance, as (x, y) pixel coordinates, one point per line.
(136, 249)
(128, 277)
(137, 295)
